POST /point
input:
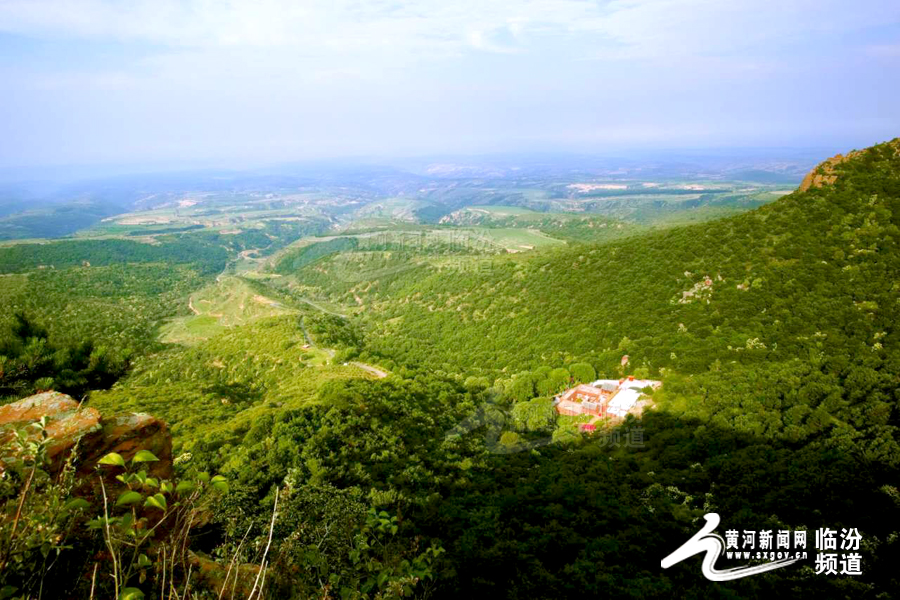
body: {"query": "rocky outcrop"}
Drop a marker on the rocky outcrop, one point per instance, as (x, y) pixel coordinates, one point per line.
(70, 426)
(826, 173)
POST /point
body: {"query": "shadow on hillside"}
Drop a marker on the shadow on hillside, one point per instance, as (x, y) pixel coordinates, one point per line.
(595, 520)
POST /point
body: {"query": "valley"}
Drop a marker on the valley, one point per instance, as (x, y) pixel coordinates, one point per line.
(420, 359)
(423, 300)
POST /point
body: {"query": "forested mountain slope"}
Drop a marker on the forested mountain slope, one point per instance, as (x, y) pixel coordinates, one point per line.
(773, 333)
(814, 270)
(779, 322)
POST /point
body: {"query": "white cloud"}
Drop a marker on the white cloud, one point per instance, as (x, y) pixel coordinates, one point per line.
(222, 76)
(883, 50)
(643, 28)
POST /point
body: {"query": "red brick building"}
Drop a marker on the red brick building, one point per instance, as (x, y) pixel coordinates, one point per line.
(583, 400)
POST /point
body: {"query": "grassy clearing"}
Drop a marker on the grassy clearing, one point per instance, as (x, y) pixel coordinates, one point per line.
(314, 357)
(226, 303)
(519, 240)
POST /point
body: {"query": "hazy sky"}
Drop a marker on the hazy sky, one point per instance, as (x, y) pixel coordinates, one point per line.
(93, 81)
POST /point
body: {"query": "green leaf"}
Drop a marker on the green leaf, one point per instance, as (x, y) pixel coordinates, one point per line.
(7, 591)
(185, 487)
(113, 459)
(220, 484)
(204, 477)
(131, 594)
(156, 501)
(126, 524)
(143, 561)
(76, 504)
(151, 482)
(166, 486)
(129, 497)
(144, 456)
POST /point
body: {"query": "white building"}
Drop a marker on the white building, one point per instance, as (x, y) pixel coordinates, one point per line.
(622, 402)
(628, 392)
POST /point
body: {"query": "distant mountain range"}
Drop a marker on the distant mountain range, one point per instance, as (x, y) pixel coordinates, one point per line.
(65, 201)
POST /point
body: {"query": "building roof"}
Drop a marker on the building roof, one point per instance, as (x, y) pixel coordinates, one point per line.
(641, 384)
(566, 406)
(637, 383)
(622, 402)
(585, 390)
(602, 382)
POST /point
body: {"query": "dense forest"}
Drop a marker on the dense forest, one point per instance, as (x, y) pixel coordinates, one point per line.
(773, 332)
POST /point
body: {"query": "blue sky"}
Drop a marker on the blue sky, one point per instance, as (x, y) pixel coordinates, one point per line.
(101, 81)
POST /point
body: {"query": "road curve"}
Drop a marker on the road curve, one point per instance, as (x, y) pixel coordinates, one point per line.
(370, 369)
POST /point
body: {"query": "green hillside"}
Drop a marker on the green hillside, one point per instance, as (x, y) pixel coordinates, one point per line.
(813, 270)
(228, 382)
(773, 333)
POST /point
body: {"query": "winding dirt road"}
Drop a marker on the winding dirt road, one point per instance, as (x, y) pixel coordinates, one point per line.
(370, 369)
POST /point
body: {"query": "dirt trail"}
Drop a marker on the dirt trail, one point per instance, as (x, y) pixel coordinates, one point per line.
(321, 309)
(370, 369)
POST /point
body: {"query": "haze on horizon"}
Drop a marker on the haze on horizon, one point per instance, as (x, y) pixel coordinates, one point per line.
(98, 81)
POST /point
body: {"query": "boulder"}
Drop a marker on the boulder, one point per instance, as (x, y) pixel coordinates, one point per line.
(72, 427)
(129, 433)
(69, 424)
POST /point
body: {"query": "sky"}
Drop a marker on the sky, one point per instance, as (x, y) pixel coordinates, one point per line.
(111, 82)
